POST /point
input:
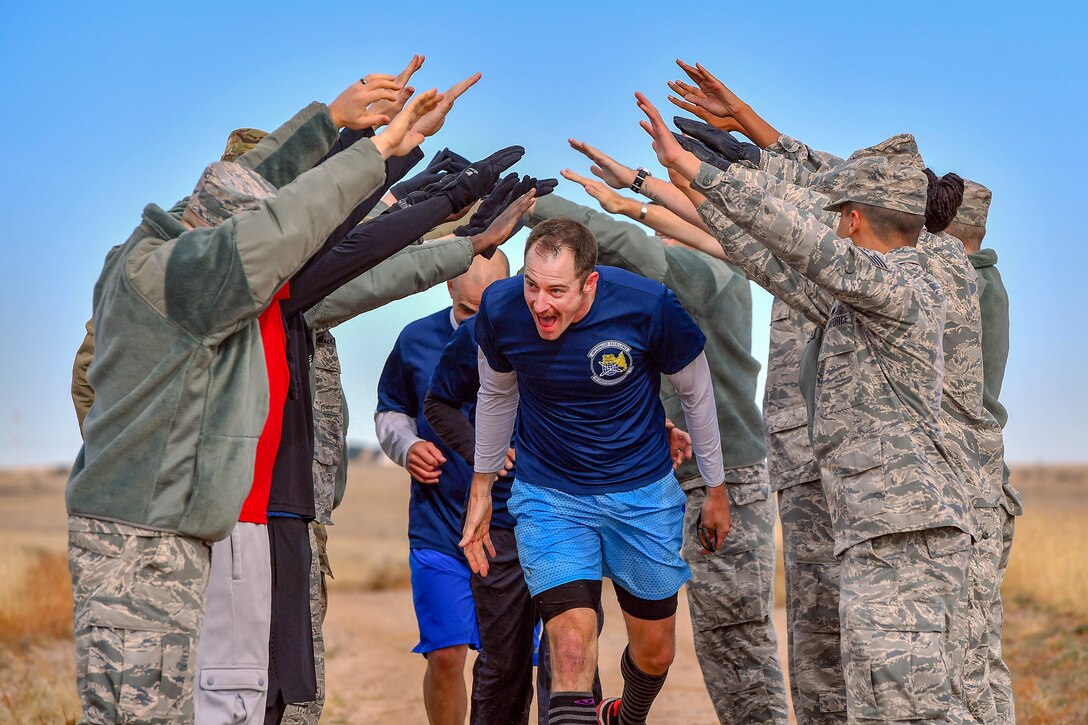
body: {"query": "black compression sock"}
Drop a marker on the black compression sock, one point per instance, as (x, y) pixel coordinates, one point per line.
(572, 708)
(639, 691)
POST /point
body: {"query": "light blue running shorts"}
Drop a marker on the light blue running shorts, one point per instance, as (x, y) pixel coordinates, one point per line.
(631, 537)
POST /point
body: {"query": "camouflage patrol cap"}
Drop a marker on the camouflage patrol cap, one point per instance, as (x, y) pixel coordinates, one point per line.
(899, 149)
(976, 204)
(240, 141)
(875, 181)
(226, 188)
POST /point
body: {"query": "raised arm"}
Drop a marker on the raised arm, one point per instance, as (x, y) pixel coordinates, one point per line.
(299, 144)
(619, 176)
(859, 277)
(753, 258)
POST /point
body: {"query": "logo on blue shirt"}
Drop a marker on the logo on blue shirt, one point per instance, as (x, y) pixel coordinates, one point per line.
(610, 362)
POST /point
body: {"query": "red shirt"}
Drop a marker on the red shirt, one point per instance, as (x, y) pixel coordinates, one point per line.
(274, 340)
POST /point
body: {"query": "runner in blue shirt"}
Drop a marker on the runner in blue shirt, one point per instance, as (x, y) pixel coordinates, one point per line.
(441, 591)
(572, 353)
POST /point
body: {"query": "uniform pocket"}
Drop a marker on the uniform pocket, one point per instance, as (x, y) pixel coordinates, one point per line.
(858, 474)
(139, 669)
(897, 667)
(727, 589)
(816, 592)
(232, 694)
(97, 544)
(742, 494)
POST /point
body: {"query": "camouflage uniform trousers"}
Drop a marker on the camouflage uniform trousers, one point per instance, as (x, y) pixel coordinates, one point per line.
(812, 605)
(139, 607)
(984, 595)
(309, 713)
(1000, 679)
(731, 597)
(900, 595)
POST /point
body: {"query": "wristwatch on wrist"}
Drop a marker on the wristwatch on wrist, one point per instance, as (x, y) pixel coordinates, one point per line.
(640, 176)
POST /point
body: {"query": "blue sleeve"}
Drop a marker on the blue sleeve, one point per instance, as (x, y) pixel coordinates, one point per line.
(674, 337)
(485, 338)
(396, 392)
(457, 377)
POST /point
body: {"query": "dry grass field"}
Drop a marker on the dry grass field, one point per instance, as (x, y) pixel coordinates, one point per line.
(373, 678)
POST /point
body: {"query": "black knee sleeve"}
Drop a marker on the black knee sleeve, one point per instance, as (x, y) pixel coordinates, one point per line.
(650, 609)
(572, 595)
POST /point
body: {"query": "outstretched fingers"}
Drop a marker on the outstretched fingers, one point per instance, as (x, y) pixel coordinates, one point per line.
(571, 176)
(457, 89)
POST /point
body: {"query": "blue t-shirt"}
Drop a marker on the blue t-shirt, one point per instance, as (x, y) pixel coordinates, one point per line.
(589, 417)
(457, 380)
(434, 512)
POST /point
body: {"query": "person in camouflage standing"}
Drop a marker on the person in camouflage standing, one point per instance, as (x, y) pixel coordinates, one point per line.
(901, 518)
(732, 590)
(972, 436)
(969, 226)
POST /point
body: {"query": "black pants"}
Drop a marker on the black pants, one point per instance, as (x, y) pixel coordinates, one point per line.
(502, 678)
(291, 671)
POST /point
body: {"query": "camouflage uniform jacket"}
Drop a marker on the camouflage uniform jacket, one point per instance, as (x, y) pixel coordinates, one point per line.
(972, 436)
(792, 161)
(718, 297)
(790, 458)
(410, 270)
(876, 431)
(179, 374)
(994, 306)
(789, 450)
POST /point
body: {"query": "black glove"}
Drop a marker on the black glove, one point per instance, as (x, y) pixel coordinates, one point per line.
(479, 178)
(545, 187)
(720, 142)
(509, 190)
(444, 162)
(492, 206)
(700, 150)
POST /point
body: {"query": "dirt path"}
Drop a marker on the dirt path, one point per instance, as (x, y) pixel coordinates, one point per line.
(374, 679)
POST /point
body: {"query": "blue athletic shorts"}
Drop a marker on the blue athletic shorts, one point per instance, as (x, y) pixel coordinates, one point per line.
(631, 537)
(445, 610)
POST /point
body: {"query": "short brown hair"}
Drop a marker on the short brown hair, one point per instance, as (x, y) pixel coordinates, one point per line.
(891, 224)
(551, 237)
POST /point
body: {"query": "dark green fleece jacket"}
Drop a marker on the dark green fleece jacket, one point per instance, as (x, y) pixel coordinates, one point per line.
(181, 387)
(993, 302)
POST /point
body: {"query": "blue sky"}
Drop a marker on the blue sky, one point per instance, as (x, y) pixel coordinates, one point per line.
(109, 106)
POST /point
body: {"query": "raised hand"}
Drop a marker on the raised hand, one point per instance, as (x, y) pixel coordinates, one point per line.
(722, 143)
(609, 200)
(400, 136)
(701, 151)
(480, 178)
(444, 162)
(430, 124)
(669, 151)
(715, 95)
(716, 99)
(604, 166)
(498, 231)
(351, 109)
(686, 91)
(392, 108)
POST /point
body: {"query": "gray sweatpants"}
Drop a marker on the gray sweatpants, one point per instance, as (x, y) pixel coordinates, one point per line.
(232, 655)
